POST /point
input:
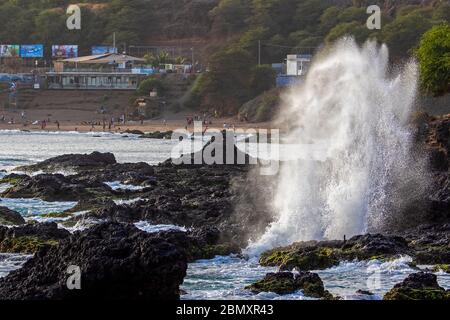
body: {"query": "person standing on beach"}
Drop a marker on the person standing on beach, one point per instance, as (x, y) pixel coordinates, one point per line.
(57, 124)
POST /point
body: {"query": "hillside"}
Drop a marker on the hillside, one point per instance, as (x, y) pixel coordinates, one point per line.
(223, 32)
(213, 24)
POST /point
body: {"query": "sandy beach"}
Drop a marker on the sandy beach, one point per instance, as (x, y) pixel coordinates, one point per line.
(148, 126)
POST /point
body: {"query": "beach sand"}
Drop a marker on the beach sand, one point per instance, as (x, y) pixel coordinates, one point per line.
(148, 126)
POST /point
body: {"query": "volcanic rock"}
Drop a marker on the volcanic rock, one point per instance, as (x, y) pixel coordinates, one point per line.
(287, 282)
(10, 217)
(115, 262)
(418, 286)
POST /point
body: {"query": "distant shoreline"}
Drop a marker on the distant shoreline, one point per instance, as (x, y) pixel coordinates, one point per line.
(147, 127)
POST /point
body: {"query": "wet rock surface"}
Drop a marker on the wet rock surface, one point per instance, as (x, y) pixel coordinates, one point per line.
(72, 162)
(95, 166)
(55, 187)
(435, 134)
(116, 262)
(317, 255)
(31, 237)
(287, 282)
(418, 286)
(430, 243)
(10, 217)
(156, 135)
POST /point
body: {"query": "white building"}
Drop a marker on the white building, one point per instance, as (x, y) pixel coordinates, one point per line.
(298, 64)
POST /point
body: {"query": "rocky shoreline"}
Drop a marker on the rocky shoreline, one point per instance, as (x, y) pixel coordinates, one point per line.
(213, 203)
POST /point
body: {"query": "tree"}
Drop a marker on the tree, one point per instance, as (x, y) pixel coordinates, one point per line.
(49, 24)
(230, 16)
(434, 58)
(180, 60)
(151, 84)
(308, 14)
(156, 60)
(263, 79)
(329, 19)
(126, 18)
(355, 29)
(403, 34)
(227, 85)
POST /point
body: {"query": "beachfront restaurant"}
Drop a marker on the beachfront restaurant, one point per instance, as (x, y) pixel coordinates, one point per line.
(100, 72)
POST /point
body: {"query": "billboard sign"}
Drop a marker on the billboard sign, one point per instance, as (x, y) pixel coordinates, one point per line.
(32, 51)
(9, 50)
(97, 50)
(64, 51)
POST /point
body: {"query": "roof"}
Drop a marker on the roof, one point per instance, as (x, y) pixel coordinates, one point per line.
(104, 59)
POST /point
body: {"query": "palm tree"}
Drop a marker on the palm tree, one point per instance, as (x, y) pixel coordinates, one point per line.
(156, 60)
(180, 60)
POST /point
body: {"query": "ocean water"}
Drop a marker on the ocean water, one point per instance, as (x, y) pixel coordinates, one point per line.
(224, 278)
(21, 148)
(10, 262)
(218, 278)
(30, 208)
(117, 185)
(152, 228)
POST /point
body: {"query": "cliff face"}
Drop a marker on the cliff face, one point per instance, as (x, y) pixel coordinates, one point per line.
(438, 142)
(437, 139)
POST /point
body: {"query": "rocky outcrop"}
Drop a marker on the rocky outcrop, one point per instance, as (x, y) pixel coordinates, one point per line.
(191, 196)
(204, 241)
(434, 133)
(116, 261)
(430, 243)
(287, 282)
(442, 268)
(55, 187)
(30, 238)
(317, 255)
(418, 286)
(437, 138)
(95, 166)
(184, 195)
(157, 135)
(72, 162)
(9, 217)
(223, 143)
(128, 173)
(135, 132)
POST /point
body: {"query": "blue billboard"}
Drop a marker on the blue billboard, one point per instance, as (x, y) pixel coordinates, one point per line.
(97, 50)
(32, 51)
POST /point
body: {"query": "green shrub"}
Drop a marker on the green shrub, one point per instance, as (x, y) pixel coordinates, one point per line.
(151, 84)
(434, 58)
